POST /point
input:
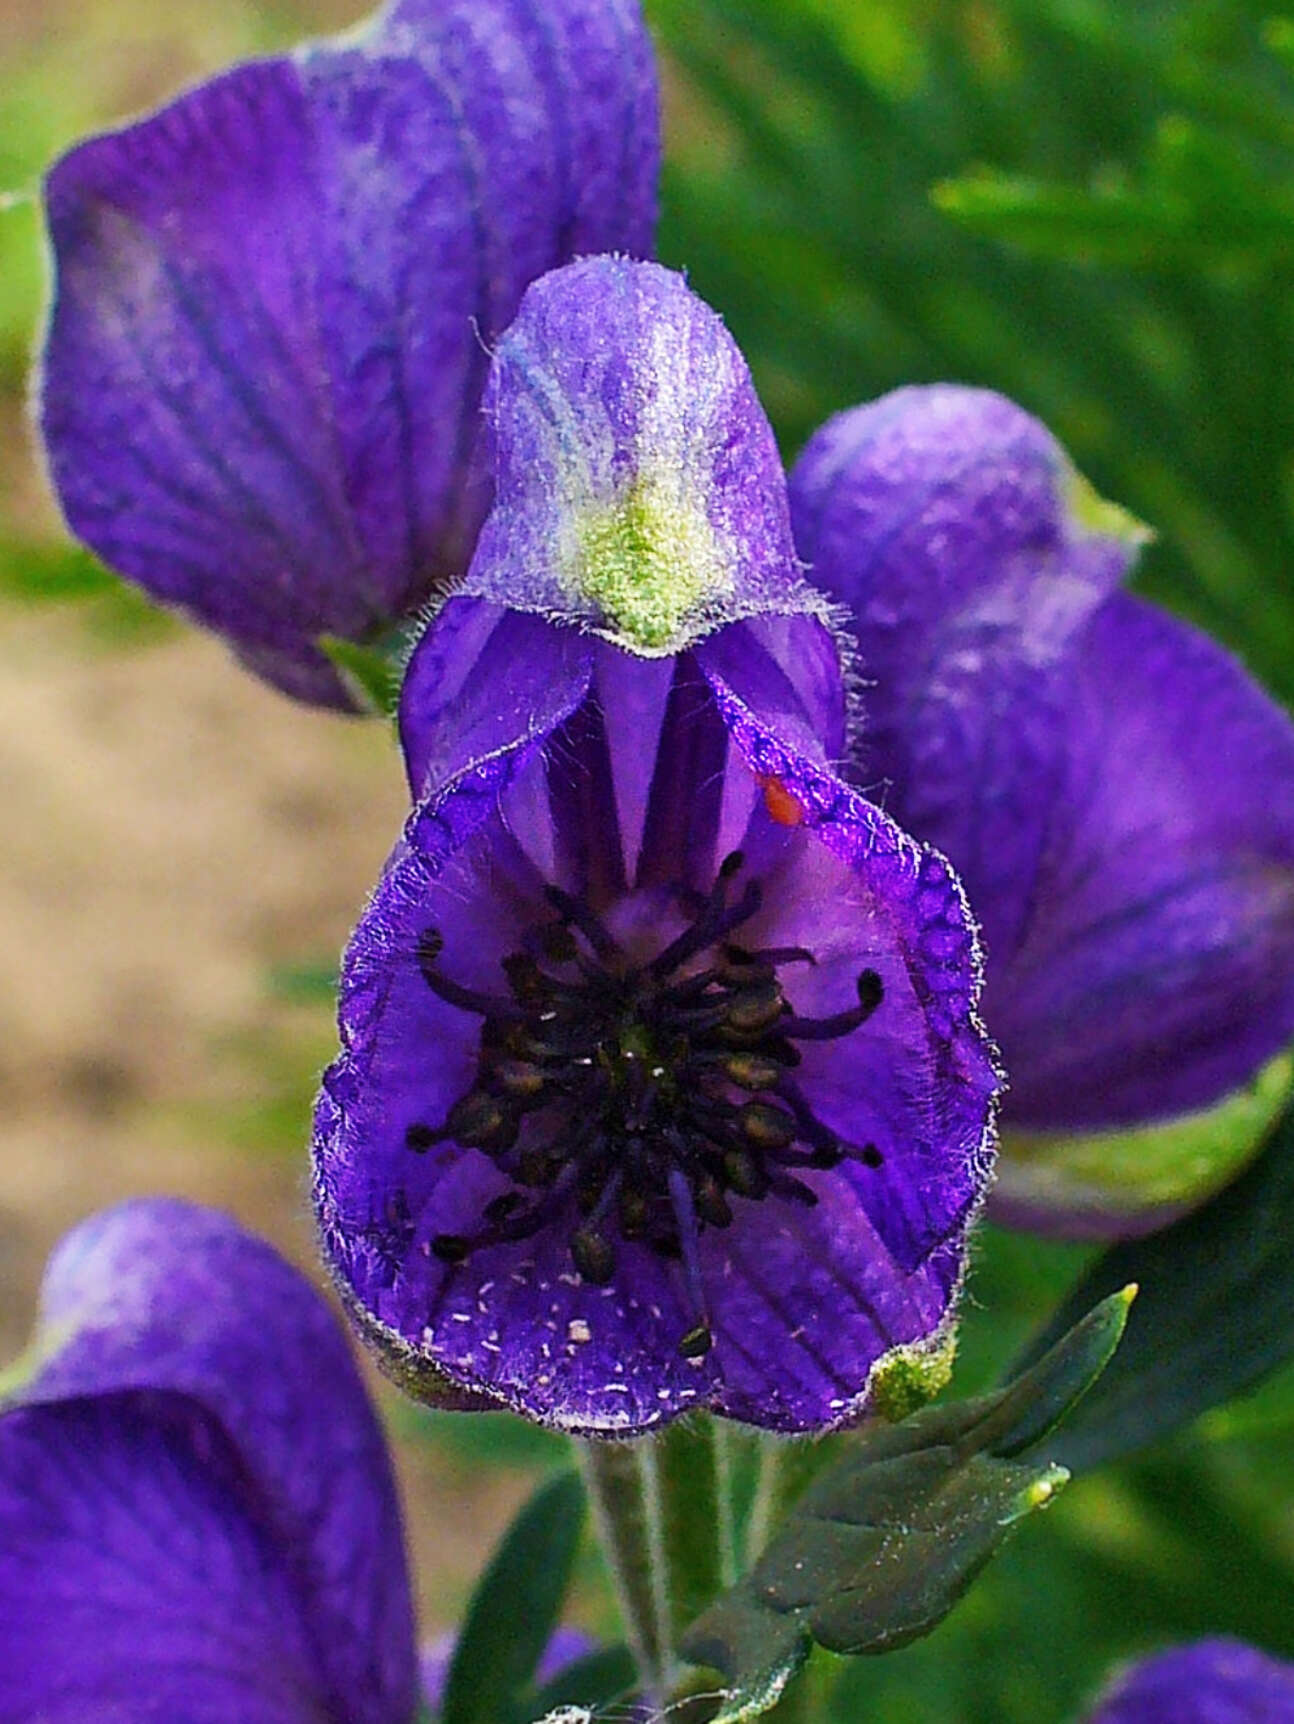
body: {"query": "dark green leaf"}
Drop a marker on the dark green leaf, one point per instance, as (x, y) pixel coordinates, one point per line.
(515, 1608)
(606, 1675)
(885, 1542)
(1216, 1312)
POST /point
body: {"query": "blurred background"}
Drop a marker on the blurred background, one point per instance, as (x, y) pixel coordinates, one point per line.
(1088, 204)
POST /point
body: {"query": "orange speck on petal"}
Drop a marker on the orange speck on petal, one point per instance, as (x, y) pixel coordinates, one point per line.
(781, 805)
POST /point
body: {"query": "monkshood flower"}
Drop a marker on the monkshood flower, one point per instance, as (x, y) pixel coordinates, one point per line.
(661, 1083)
(1115, 791)
(198, 1520)
(1211, 1682)
(274, 298)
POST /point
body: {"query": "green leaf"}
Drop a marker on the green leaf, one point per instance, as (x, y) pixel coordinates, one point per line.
(885, 1542)
(366, 671)
(1212, 1320)
(604, 1677)
(373, 670)
(515, 1608)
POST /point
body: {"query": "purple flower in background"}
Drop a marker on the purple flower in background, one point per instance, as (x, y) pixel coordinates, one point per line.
(1115, 791)
(198, 1519)
(274, 298)
(1212, 1682)
(661, 1083)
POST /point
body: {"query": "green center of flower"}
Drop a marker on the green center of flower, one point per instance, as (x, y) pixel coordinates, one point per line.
(635, 1101)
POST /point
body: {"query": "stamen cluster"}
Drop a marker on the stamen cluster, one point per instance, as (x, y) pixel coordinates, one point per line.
(640, 1097)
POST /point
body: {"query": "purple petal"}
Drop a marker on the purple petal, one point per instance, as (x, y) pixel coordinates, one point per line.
(1156, 973)
(639, 489)
(273, 298)
(942, 518)
(236, 1535)
(1211, 1682)
(628, 804)
(1110, 785)
(480, 682)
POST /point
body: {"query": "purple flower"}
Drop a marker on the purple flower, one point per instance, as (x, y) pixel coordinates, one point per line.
(1113, 788)
(197, 1514)
(1211, 1682)
(661, 1084)
(274, 299)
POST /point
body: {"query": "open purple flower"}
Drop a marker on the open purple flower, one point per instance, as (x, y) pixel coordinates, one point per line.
(661, 1084)
(198, 1519)
(1211, 1682)
(274, 299)
(1115, 791)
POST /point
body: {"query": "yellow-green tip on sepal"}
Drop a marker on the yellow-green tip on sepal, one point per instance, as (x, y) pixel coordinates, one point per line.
(1102, 1184)
(909, 1376)
(1093, 515)
(1040, 1492)
(647, 560)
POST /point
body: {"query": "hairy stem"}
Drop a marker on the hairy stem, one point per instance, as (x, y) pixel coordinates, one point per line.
(623, 1481)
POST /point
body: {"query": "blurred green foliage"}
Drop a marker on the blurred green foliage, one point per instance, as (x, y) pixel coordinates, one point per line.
(1088, 204)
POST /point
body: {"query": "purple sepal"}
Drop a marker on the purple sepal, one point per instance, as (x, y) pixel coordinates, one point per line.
(1211, 1682)
(274, 297)
(198, 1518)
(639, 491)
(1111, 786)
(648, 774)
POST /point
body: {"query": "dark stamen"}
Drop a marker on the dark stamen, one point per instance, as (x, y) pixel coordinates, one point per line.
(870, 994)
(639, 1102)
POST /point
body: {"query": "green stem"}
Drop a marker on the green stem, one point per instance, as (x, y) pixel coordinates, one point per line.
(697, 1519)
(787, 1467)
(623, 1482)
(663, 1510)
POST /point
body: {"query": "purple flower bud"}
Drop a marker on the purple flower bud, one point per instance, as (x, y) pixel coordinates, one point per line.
(197, 1511)
(1211, 1682)
(274, 300)
(661, 1083)
(1114, 789)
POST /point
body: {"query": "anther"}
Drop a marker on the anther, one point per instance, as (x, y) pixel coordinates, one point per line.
(766, 1127)
(711, 1205)
(697, 1342)
(478, 1120)
(756, 1009)
(634, 1212)
(743, 1174)
(518, 1079)
(593, 1255)
(751, 1071)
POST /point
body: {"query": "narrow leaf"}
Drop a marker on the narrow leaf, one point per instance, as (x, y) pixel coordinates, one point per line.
(886, 1540)
(604, 1677)
(515, 1607)
(1214, 1316)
